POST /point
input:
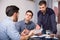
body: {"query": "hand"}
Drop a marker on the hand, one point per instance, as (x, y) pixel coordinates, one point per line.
(25, 32)
(25, 36)
(31, 33)
(37, 27)
(52, 35)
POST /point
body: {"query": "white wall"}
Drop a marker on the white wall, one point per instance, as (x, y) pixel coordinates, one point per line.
(24, 5)
(36, 9)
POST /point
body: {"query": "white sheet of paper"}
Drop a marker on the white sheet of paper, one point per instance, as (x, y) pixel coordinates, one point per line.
(37, 31)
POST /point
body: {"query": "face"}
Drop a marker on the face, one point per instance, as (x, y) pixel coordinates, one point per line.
(42, 7)
(28, 16)
(15, 19)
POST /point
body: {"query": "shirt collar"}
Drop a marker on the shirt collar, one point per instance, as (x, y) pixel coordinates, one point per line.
(26, 23)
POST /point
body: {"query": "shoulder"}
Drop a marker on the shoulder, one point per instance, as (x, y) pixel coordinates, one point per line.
(20, 22)
(32, 23)
(51, 11)
(7, 22)
(39, 12)
(2, 27)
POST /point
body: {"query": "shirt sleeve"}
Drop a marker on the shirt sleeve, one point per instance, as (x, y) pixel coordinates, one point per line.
(39, 19)
(18, 26)
(53, 22)
(12, 32)
(34, 25)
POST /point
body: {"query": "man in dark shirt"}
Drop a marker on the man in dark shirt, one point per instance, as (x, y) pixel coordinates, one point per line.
(46, 18)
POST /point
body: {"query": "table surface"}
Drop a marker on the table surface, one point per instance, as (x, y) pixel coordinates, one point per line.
(42, 37)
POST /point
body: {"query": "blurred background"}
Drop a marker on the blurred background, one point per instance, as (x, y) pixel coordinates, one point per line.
(25, 5)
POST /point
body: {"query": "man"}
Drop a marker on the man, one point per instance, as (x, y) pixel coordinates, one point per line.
(46, 18)
(8, 30)
(25, 26)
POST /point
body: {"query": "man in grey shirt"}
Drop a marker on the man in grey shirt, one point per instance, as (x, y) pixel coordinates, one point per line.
(26, 25)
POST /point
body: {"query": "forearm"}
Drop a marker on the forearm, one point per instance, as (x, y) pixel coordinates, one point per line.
(25, 37)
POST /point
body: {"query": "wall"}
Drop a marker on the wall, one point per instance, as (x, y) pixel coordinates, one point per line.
(36, 9)
(24, 5)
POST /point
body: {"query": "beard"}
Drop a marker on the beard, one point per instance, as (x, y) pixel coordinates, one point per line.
(16, 19)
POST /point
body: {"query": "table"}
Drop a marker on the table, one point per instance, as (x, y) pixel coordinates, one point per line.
(42, 37)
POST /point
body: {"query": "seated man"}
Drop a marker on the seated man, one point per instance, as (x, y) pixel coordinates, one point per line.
(8, 30)
(25, 26)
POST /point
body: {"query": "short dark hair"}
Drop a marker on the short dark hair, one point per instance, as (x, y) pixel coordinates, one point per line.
(30, 12)
(42, 2)
(11, 9)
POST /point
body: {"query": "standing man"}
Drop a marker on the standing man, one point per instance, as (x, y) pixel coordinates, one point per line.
(46, 18)
(8, 30)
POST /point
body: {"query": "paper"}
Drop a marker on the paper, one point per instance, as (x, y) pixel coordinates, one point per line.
(37, 31)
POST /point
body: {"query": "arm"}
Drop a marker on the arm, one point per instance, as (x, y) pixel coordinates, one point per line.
(25, 37)
(39, 18)
(53, 23)
(12, 32)
(25, 32)
(18, 26)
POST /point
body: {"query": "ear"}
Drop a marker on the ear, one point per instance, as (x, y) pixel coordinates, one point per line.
(14, 13)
